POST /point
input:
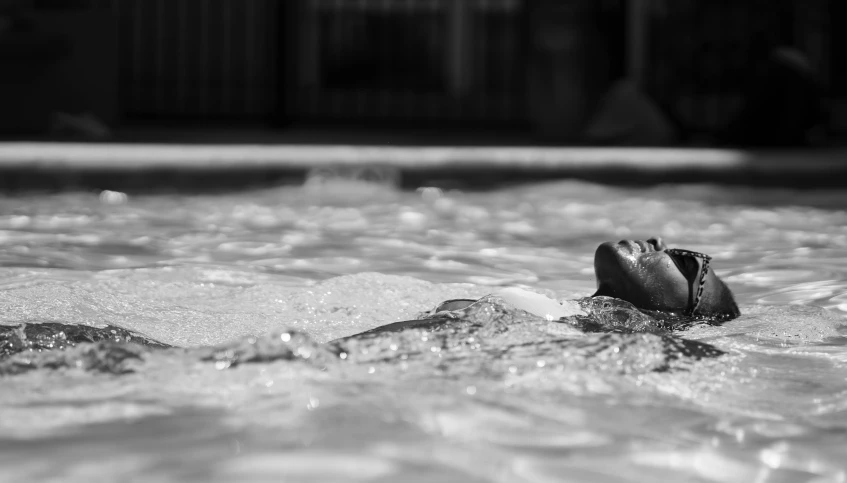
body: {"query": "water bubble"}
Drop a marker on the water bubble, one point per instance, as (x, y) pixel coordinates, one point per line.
(285, 337)
(444, 206)
(313, 404)
(541, 363)
(221, 365)
(371, 370)
(304, 352)
(393, 347)
(471, 390)
(343, 355)
(513, 369)
(430, 193)
(113, 197)
(413, 219)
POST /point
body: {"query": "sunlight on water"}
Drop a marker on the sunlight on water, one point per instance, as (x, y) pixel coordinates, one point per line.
(267, 276)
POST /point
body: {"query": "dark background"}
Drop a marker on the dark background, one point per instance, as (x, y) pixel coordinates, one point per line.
(536, 66)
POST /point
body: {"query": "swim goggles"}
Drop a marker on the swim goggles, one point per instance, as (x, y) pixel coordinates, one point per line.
(691, 264)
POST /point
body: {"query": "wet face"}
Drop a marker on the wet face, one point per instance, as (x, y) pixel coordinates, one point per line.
(651, 276)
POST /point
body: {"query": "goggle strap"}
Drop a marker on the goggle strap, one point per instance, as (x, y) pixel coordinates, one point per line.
(700, 289)
(694, 300)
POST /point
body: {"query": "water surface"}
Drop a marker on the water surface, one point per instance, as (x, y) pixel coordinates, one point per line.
(329, 259)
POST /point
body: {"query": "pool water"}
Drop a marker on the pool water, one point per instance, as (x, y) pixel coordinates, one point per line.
(251, 285)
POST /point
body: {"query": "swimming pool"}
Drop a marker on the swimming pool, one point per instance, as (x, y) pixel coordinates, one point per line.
(247, 271)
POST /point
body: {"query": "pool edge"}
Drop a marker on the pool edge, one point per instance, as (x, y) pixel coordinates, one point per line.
(227, 166)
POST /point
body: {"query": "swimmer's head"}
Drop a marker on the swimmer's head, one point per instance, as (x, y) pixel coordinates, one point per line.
(653, 277)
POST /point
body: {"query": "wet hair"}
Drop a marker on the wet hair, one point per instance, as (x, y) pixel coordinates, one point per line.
(719, 303)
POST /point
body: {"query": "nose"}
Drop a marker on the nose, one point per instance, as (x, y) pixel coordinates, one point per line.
(657, 243)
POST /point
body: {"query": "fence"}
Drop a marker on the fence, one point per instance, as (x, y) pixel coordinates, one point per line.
(356, 59)
(197, 58)
(428, 60)
(410, 60)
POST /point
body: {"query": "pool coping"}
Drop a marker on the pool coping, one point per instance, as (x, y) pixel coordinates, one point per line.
(21, 161)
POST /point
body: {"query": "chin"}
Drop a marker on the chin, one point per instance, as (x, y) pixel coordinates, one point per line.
(610, 265)
(615, 256)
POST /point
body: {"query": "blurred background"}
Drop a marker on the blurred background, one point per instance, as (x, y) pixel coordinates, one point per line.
(564, 71)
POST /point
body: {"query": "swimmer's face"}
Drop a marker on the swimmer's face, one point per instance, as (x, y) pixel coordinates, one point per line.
(651, 276)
